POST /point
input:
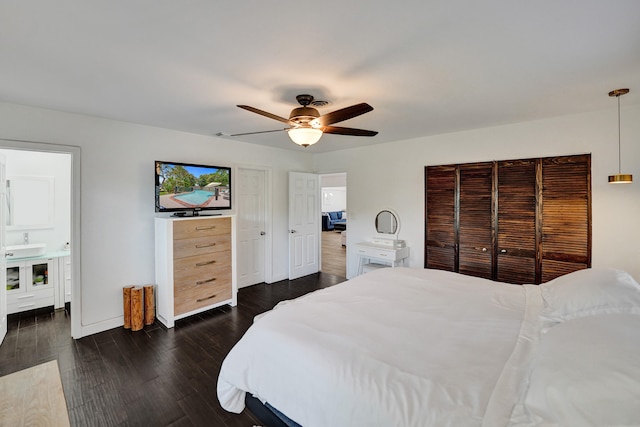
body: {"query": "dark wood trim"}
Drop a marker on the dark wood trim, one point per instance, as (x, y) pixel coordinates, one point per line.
(590, 236)
(494, 220)
(426, 225)
(539, 203)
(437, 244)
(456, 221)
(554, 256)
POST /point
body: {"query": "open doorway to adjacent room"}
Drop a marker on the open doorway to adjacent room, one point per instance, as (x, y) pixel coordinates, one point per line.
(37, 233)
(333, 188)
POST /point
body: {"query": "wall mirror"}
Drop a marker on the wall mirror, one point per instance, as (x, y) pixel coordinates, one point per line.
(29, 202)
(387, 222)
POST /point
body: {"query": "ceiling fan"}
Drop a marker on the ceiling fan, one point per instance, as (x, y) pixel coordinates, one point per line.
(307, 125)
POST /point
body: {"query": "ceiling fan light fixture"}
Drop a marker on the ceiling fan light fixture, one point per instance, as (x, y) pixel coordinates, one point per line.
(305, 136)
(619, 178)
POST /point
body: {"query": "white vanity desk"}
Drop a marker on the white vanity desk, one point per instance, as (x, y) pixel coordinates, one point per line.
(378, 253)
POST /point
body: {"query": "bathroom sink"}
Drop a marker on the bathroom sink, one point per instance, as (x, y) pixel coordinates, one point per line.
(23, 251)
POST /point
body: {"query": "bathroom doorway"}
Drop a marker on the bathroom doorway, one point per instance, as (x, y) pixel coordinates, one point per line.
(39, 229)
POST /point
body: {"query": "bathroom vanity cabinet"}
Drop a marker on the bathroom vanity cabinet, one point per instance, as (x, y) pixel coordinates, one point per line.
(37, 282)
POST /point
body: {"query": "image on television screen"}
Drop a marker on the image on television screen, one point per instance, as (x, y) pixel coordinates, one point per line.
(181, 186)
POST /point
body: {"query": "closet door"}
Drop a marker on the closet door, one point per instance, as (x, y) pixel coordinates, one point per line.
(475, 220)
(517, 239)
(440, 217)
(566, 215)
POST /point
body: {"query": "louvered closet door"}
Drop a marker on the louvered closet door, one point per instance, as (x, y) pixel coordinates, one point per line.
(476, 220)
(566, 215)
(516, 230)
(440, 242)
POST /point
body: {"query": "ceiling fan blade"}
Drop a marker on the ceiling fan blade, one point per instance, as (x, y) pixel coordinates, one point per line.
(348, 131)
(251, 133)
(344, 114)
(266, 114)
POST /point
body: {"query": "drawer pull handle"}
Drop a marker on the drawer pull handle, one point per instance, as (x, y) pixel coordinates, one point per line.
(201, 264)
(206, 228)
(382, 254)
(201, 282)
(26, 296)
(205, 246)
(204, 299)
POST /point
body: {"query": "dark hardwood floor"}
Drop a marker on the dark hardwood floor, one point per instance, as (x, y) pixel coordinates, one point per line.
(153, 377)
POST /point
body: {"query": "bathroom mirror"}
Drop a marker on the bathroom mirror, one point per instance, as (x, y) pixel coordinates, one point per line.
(387, 222)
(29, 202)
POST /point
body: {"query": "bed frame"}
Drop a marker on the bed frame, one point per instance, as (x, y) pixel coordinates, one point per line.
(267, 414)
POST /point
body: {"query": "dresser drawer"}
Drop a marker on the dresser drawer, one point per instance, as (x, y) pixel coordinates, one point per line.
(201, 275)
(201, 245)
(201, 227)
(190, 298)
(201, 263)
(365, 251)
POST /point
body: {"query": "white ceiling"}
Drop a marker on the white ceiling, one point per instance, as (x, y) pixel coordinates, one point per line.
(427, 67)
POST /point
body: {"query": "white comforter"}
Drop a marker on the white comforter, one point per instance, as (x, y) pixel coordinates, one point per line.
(394, 347)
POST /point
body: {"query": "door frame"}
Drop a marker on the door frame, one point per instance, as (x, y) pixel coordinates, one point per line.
(268, 216)
(76, 285)
(3, 244)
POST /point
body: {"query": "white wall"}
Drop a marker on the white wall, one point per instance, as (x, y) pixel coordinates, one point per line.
(117, 194)
(57, 166)
(117, 202)
(334, 199)
(392, 176)
(334, 192)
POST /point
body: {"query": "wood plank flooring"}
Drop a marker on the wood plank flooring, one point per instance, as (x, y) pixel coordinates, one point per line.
(334, 255)
(153, 377)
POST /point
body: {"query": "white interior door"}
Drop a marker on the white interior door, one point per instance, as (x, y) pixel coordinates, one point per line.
(304, 224)
(3, 263)
(251, 227)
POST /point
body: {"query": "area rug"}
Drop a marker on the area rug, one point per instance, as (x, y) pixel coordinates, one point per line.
(33, 397)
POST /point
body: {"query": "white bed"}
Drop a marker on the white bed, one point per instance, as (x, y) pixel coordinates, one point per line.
(413, 347)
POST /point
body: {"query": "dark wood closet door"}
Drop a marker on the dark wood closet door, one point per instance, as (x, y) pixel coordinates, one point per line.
(566, 215)
(475, 233)
(516, 229)
(517, 221)
(440, 243)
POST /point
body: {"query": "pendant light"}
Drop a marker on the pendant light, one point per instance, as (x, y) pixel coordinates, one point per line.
(619, 178)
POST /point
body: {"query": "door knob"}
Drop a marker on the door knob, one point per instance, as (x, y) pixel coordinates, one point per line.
(262, 233)
(292, 231)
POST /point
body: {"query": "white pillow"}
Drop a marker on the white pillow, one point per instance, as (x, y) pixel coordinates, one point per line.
(590, 291)
(586, 372)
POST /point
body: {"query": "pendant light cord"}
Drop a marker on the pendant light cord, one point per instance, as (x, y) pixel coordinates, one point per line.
(619, 154)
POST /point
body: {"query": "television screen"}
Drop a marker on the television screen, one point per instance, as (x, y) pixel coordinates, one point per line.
(191, 187)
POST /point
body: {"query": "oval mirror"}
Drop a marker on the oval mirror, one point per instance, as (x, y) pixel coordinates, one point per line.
(386, 222)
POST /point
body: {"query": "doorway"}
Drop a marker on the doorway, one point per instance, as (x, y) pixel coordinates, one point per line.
(44, 221)
(333, 189)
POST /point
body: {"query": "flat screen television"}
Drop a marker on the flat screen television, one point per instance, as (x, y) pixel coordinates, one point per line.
(188, 187)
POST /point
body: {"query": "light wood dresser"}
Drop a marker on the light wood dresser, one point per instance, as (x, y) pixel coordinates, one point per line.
(195, 265)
